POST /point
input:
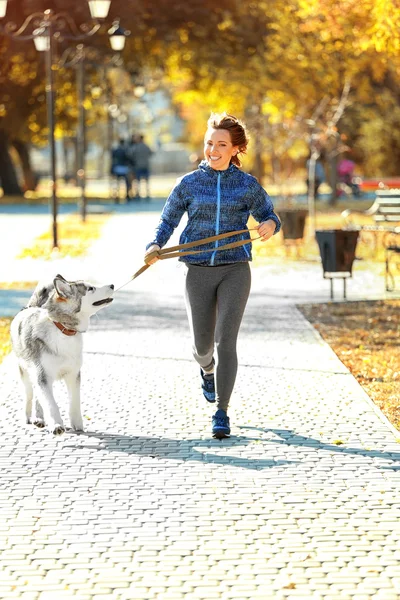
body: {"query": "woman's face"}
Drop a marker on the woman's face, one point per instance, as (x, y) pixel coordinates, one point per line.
(218, 148)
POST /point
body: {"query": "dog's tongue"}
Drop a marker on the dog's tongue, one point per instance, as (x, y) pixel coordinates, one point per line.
(100, 302)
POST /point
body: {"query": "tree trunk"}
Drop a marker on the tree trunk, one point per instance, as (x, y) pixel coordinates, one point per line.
(333, 179)
(275, 167)
(30, 180)
(258, 158)
(8, 175)
(257, 122)
(258, 170)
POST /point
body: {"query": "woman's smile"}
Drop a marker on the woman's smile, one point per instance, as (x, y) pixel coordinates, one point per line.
(218, 148)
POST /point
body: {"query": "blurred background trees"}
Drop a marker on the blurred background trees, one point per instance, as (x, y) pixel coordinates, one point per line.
(282, 65)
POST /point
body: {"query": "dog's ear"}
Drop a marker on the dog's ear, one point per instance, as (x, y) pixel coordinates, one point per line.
(62, 287)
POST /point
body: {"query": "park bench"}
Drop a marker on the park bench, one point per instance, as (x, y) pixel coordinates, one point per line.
(385, 213)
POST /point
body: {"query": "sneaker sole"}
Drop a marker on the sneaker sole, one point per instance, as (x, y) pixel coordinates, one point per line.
(220, 435)
(210, 401)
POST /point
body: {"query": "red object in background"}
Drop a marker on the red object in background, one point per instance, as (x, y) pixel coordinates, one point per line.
(380, 184)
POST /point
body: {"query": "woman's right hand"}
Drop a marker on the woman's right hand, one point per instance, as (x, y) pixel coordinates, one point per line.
(153, 259)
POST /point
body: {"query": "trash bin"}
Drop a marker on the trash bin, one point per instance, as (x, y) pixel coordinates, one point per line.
(293, 222)
(337, 248)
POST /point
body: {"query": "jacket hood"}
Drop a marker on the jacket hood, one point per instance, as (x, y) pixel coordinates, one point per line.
(205, 167)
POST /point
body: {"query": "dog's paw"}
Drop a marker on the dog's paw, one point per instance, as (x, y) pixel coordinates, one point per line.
(76, 420)
(77, 424)
(58, 430)
(39, 423)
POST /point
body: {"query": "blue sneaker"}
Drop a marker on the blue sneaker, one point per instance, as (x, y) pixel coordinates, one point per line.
(220, 425)
(208, 386)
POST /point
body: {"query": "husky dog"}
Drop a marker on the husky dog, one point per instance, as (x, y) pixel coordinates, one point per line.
(47, 340)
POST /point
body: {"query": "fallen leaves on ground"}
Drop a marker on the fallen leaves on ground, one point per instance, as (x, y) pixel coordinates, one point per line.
(366, 338)
(74, 238)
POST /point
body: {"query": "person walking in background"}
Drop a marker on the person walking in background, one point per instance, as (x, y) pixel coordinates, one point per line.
(320, 176)
(141, 155)
(130, 152)
(120, 165)
(218, 197)
(345, 171)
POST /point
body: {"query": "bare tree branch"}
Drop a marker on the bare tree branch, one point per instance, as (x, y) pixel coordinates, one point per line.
(342, 103)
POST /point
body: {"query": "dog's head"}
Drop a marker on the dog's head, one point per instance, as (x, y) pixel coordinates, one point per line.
(71, 303)
(80, 296)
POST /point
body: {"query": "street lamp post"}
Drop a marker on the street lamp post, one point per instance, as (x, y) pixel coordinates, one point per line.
(78, 57)
(50, 99)
(81, 141)
(75, 57)
(45, 28)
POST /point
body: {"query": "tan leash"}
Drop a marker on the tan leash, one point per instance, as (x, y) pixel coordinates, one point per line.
(175, 251)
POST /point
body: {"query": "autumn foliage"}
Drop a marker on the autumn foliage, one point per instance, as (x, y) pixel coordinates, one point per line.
(272, 62)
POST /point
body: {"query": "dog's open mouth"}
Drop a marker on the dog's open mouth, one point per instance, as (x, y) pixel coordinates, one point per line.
(101, 302)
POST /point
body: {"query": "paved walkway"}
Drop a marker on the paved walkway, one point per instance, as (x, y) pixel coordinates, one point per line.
(145, 505)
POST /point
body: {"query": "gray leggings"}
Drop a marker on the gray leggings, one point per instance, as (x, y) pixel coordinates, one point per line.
(215, 301)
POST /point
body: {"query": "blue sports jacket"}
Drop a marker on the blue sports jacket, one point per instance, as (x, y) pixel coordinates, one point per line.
(216, 202)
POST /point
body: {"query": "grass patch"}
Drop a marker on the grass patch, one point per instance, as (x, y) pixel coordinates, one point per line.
(18, 285)
(75, 238)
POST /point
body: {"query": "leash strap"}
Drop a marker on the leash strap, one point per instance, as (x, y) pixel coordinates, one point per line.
(225, 247)
(175, 251)
(208, 240)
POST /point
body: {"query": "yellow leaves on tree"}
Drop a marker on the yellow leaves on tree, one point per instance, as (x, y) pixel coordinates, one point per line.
(368, 25)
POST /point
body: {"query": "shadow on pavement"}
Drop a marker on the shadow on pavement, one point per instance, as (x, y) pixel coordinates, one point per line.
(291, 438)
(171, 449)
(187, 450)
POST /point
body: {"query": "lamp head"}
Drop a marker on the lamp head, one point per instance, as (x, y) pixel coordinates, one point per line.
(118, 36)
(41, 39)
(3, 8)
(99, 8)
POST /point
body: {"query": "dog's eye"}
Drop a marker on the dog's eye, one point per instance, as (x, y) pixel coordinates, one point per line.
(91, 289)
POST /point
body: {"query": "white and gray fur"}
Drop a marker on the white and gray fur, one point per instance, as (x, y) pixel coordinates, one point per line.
(45, 354)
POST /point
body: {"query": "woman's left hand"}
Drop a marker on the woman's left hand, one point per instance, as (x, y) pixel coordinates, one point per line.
(266, 229)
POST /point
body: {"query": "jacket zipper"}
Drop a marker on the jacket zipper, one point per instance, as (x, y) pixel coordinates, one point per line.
(218, 214)
(244, 247)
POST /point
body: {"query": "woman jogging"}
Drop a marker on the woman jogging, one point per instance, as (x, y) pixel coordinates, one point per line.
(218, 198)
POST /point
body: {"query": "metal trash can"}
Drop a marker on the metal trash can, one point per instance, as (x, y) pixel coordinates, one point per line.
(293, 222)
(337, 248)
